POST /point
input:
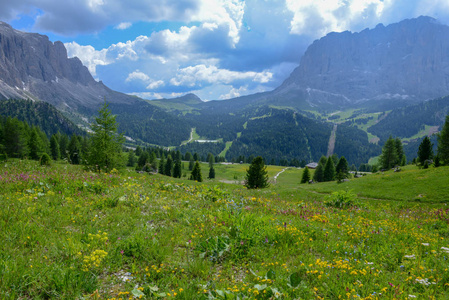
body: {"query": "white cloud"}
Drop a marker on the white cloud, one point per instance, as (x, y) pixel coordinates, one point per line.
(234, 93)
(88, 55)
(194, 75)
(137, 75)
(155, 84)
(123, 25)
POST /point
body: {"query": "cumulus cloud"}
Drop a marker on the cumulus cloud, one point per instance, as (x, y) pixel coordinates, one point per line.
(137, 75)
(193, 75)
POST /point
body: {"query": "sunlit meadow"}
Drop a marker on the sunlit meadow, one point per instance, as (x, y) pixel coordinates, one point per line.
(68, 233)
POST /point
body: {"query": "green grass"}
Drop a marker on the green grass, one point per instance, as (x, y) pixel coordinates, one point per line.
(225, 150)
(71, 234)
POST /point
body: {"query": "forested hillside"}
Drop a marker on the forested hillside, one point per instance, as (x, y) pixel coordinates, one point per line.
(408, 121)
(148, 123)
(40, 114)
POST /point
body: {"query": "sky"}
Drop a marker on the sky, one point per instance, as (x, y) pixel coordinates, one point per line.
(216, 49)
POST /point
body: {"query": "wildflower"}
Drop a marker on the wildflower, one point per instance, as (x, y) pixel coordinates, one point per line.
(425, 244)
(410, 256)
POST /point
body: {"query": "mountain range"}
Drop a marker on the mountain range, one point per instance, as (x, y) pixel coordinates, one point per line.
(368, 73)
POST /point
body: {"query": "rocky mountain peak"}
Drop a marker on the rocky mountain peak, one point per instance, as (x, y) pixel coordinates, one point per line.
(408, 60)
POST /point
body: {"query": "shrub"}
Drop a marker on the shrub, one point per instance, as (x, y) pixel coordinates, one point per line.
(45, 160)
(342, 199)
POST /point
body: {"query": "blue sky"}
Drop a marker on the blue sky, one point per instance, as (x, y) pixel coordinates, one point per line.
(217, 49)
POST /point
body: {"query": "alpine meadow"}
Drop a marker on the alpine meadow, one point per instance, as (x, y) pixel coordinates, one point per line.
(247, 150)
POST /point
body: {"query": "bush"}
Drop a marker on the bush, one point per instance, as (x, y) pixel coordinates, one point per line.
(45, 160)
(342, 199)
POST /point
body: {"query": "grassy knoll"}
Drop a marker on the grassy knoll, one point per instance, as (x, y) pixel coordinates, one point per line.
(71, 234)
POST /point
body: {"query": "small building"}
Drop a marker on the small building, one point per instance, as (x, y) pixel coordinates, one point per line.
(312, 165)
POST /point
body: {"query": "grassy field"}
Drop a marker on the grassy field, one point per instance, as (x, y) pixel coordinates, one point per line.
(71, 234)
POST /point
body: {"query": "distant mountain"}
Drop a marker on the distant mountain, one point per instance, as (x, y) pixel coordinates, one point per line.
(32, 67)
(404, 62)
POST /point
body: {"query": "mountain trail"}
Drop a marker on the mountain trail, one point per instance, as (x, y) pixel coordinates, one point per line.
(276, 176)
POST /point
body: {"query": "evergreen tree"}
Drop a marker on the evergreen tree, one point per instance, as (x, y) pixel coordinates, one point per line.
(400, 153)
(342, 167)
(63, 145)
(35, 145)
(425, 150)
(318, 176)
(191, 163)
(443, 143)
(305, 175)
(106, 144)
(131, 159)
(15, 138)
(211, 172)
(54, 147)
(177, 172)
(257, 174)
(196, 173)
(161, 169)
(138, 151)
(188, 156)
(437, 161)
(329, 170)
(74, 149)
(168, 166)
(389, 157)
(142, 161)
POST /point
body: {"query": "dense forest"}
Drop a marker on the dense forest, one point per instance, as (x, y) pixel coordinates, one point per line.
(353, 144)
(150, 124)
(40, 114)
(282, 135)
(408, 121)
(203, 149)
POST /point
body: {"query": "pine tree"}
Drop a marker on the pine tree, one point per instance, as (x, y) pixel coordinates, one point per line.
(54, 147)
(191, 164)
(329, 170)
(63, 145)
(35, 144)
(257, 174)
(211, 173)
(342, 167)
(142, 161)
(15, 138)
(168, 166)
(443, 143)
(305, 175)
(425, 150)
(161, 169)
(389, 156)
(106, 143)
(318, 176)
(400, 152)
(74, 149)
(177, 172)
(131, 159)
(196, 173)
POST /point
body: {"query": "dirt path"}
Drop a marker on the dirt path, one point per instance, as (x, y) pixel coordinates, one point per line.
(191, 137)
(276, 176)
(331, 146)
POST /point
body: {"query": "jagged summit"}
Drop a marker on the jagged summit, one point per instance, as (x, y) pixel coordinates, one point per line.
(31, 66)
(407, 61)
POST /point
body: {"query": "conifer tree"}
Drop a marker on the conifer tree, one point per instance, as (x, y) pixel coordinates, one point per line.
(191, 164)
(329, 170)
(177, 172)
(389, 156)
(425, 150)
(161, 169)
(54, 147)
(35, 144)
(74, 149)
(400, 152)
(196, 172)
(318, 176)
(443, 143)
(142, 161)
(342, 167)
(168, 166)
(63, 145)
(211, 172)
(106, 143)
(257, 174)
(305, 175)
(131, 159)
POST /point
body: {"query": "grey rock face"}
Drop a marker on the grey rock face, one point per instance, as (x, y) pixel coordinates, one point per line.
(407, 60)
(33, 67)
